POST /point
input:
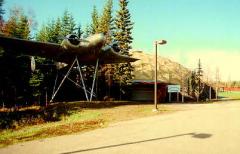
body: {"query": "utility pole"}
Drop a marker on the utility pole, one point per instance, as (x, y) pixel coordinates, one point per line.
(209, 84)
(161, 42)
(210, 92)
(155, 83)
(217, 82)
(183, 89)
(182, 84)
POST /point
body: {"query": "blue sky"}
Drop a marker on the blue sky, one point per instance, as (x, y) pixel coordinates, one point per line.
(206, 29)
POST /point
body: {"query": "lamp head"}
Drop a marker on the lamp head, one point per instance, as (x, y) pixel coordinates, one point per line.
(161, 42)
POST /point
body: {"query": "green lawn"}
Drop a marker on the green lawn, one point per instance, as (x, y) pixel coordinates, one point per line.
(67, 118)
(231, 95)
(75, 122)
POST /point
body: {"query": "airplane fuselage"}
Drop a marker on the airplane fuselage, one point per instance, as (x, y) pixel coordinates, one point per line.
(91, 44)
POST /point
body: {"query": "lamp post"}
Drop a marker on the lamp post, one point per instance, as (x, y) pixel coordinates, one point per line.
(160, 42)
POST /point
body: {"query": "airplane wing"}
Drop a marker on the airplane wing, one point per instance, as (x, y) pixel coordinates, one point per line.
(31, 48)
(108, 55)
(87, 52)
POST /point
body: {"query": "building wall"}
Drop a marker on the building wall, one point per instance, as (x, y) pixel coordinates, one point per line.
(142, 92)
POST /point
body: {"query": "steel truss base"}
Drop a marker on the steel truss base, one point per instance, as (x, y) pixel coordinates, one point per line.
(88, 94)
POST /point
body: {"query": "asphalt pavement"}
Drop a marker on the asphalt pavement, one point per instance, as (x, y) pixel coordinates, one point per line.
(200, 129)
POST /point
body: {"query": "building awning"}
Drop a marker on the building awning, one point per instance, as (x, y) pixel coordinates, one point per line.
(148, 82)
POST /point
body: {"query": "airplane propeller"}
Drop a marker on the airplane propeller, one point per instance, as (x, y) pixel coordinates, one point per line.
(73, 37)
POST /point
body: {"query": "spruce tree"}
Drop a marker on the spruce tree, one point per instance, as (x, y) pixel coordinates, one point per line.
(87, 31)
(17, 25)
(123, 27)
(10, 26)
(106, 27)
(57, 29)
(68, 24)
(42, 34)
(122, 34)
(106, 21)
(50, 31)
(102, 23)
(1, 15)
(95, 21)
(23, 28)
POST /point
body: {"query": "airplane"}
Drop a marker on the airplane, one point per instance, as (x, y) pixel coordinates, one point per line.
(72, 50)
(87, 50)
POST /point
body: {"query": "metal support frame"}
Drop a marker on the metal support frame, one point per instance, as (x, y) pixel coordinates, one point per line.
(64, 78)
(82, 81)
(94, 78)
(78, 85)
(80, 73)
(55, 83)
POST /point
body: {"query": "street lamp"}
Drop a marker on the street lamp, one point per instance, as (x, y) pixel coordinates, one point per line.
(160, 42)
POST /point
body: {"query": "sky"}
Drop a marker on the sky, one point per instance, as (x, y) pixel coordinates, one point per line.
(205, 29)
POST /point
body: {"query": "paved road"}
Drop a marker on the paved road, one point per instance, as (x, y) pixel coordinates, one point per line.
(202, 129)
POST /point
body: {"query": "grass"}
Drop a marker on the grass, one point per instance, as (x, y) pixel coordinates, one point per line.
(230, 94)
(76, 122)
(74, 118)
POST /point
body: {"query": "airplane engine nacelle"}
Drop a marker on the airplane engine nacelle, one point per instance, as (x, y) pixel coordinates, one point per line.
(32, 64)
(71, 41)
(27, 62)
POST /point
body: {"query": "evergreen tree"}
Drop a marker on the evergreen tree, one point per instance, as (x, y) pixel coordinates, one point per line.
(122, 34)
(103, 23)
(106, 21)
(42, 34)
(35, 82)
(123, 27)
(87, 31)
(1, 15)
(57, 29)
(17, 25)
(196, 85)
(50, 31)
(68, 24)
(23, 28)
(95, 21)
(10, 26)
